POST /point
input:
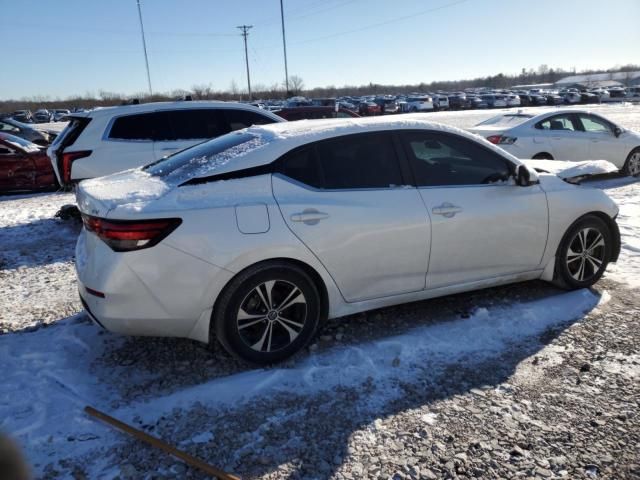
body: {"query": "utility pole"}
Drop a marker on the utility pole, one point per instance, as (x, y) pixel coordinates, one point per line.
(144, 47)
(284, 44)
(245, 33)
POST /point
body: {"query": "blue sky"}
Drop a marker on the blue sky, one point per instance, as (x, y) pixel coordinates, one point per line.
(65, 47)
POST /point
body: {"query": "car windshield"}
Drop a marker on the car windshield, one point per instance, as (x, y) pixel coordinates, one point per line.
(203, 159)
(510, 120)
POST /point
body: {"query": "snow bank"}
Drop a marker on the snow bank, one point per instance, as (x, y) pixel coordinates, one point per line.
(565, 169)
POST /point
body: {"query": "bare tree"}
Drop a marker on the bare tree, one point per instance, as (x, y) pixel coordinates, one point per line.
(296, 84)
(202, 92)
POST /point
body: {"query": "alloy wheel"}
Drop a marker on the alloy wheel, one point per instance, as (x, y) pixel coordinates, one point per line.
(633, 167)
(271, 316)
(586, 254)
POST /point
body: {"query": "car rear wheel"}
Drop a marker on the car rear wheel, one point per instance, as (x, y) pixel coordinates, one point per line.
(584, 253)
(543, 156)
(632, 165)
(267, 313)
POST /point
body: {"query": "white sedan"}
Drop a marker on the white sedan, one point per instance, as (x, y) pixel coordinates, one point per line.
(256, 237)
(564, 134)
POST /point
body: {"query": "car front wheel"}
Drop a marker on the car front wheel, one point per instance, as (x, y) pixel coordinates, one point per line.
(632, 165)
(267, 313)
(584, 253)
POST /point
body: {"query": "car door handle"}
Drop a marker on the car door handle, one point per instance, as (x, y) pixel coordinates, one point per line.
(169, 148)
(309, 216)
(446, 210)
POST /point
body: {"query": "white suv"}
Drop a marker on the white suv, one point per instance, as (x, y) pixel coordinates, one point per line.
(108, 140)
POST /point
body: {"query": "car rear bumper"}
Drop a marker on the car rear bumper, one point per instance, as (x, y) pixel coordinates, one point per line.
(158, 291)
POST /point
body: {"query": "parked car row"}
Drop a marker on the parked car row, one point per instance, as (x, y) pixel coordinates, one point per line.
(41, 115)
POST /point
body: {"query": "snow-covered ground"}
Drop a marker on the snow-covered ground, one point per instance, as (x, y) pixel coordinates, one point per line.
(199, 400)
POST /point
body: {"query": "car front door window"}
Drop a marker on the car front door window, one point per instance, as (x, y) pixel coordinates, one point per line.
(446, 160)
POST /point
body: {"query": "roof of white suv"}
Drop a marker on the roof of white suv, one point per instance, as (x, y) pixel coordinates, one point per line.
(155, 106)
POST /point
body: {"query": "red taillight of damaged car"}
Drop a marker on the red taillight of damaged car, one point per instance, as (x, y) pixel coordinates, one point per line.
(129, 235)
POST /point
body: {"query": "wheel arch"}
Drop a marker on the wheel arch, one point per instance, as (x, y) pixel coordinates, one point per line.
(308, 269)
(615, 232)
(542, 156)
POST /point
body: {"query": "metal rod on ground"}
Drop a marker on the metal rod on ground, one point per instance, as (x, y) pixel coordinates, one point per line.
(245, 33)
(144, 47)
(284, 44)
(156, 442)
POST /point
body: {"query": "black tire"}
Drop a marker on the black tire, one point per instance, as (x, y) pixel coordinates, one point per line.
(542, 156)
(630, 169)
(569, 258)
(249, 290)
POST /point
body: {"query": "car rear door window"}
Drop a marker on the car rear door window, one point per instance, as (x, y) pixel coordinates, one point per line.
(143, 126)
(200, 123)
(348, 162)
(439, 159)
(359, 161)
(566, 122)
(302, 165)
(238, 119)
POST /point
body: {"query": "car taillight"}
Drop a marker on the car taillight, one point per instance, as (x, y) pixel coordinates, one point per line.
(128, 235)
(67, 159)
(502, 140)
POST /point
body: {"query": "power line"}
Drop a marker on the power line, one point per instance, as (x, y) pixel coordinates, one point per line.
(379, 24)
(245, 33)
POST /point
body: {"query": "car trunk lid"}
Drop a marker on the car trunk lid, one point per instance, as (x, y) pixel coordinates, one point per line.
(131, 189)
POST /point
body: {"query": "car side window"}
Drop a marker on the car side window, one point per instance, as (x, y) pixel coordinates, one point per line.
(238, 119)
(144, 126)
(5, 127)
(6, 150)
(445, 160)
(593, 124)
(302, 165)
(559, 122)
(197, 123)
(352, 161)
(359, 161)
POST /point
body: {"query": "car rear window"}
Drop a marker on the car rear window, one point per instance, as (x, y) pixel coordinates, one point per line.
(203, 159)
(510, 120)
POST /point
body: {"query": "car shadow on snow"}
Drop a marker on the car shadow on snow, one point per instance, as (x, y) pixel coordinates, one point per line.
(38, 243)
(302, 431)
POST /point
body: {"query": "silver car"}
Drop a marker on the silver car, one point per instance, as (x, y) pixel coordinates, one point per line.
(254, 238)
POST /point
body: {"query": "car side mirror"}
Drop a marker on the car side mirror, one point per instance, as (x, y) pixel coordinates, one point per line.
(523, 176)
(617, 131)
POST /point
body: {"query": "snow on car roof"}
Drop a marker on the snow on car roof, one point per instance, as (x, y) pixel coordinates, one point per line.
(153, 106)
